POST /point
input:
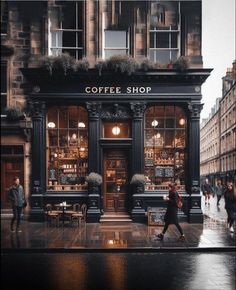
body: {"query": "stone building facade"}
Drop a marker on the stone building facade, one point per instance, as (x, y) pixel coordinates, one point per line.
(218, 134)
(124, 119)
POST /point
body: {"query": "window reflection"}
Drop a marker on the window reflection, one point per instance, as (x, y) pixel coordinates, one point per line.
(165, 141)
(67, 148)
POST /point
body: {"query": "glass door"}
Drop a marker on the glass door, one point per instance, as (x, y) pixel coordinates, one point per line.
(115, 181)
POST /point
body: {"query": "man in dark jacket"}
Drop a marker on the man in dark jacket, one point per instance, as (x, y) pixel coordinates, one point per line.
(207, 191)
(17, 199)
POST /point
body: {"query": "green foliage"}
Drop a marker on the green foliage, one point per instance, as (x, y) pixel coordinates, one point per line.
(181, 64)
(122, 64)
(14, 113)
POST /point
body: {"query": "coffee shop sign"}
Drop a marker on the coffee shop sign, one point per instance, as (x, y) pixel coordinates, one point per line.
(117, 90)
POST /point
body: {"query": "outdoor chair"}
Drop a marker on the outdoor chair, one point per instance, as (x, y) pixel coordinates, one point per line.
(51, 215)
(79, 216)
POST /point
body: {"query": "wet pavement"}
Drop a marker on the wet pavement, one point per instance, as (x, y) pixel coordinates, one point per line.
(120, 257)
(213, 234)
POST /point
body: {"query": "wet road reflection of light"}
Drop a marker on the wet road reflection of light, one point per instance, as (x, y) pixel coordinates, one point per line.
(119, 271)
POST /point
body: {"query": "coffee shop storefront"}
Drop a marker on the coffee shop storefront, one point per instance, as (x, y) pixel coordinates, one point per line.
(115, 125)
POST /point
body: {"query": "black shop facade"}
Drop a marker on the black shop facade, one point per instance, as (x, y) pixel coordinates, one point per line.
(118, 126)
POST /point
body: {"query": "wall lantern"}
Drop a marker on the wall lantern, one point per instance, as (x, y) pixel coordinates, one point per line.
(182, 121)
(51, 125)
(154, 123)
(116, 130)
(81, 125)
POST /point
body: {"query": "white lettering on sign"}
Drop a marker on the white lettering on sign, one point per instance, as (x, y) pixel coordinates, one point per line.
(117, 90)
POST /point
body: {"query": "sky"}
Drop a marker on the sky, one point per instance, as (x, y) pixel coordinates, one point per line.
(218, 46)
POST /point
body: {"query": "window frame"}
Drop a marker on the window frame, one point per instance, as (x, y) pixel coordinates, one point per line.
(77, 30)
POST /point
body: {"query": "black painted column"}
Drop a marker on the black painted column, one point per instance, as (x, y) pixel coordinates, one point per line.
(193, 185)
(94, 200)
(38, 172)
(138, 109)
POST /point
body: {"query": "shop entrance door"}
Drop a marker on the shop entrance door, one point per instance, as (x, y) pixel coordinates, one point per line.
(115, 180)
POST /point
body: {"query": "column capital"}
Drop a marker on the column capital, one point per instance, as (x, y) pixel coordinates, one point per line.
(195, 110)
(37, 108)
(94, 109)
(138, 109)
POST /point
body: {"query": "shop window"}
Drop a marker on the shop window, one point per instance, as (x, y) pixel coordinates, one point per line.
(3, 87)
(164, 31)
(116, 43)
(67, 148)
(66, 29)
(116, 130)
(164, 147)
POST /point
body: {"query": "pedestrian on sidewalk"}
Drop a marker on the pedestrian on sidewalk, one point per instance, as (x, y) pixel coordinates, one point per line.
(219, 191)
(230, 205)
(171, 216)
(207, 191)
(18, 202)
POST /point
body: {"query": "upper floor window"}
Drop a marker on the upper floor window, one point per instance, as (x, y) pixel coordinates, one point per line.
(164, 31)
(66, 29)
(116, 43)
(4, 17)
(3, 86)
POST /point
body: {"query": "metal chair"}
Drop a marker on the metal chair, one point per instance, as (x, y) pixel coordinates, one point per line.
(51, 215)
(79, 216)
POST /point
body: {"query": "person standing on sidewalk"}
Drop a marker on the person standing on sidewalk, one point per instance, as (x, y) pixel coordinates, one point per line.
(17, 199)
(171, 216)
(207, 191)
(230, 205)
(219, 191)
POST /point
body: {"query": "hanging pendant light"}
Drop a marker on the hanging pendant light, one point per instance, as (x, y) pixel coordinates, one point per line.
(154, 123)
(116, 130)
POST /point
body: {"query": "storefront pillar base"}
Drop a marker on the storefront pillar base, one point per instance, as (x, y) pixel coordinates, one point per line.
(138, 215)
(37, 213)
(94, 212)
(195, 216)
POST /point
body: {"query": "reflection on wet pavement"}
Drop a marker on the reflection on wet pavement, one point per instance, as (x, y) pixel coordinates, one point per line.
(119, 271)
(96, 236)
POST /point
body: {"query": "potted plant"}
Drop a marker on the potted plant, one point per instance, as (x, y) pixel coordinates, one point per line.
(181, 64)
(14, 114)
(94, 180)
(138, 183)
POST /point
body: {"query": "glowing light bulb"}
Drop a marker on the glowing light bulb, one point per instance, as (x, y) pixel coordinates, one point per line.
(51, 125)
(182, 121)
(81, 125)
(116, 130)
(154, 123)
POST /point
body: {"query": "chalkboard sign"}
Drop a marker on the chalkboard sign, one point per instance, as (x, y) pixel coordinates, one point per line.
(149, 162)
(156, 216)
(169, 172)
(159, 172)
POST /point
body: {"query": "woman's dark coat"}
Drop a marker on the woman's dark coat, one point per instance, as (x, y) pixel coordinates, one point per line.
(172, 209)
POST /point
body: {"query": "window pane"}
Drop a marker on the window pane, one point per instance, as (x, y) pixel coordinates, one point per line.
(68, 15)
(109, 53)
(63, 118)
(53, 137)
(115, 38)
(162, 40)
(3, 78)
(116, 130)
(174, 40)
(169, 138)
(164, 148)
(69, 39)
(163, 56)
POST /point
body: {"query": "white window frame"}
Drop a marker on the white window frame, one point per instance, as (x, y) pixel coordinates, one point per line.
(59, 48)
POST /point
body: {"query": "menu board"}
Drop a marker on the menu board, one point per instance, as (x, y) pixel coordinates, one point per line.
(149, 162)
(169, 171)
(159, 172)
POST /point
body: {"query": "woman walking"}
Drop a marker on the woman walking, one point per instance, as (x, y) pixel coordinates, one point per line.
(207, 191)
(171, 213)
(219, 191)
(230, 205)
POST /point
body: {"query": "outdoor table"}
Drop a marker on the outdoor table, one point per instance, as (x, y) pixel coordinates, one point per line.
(63, 207)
